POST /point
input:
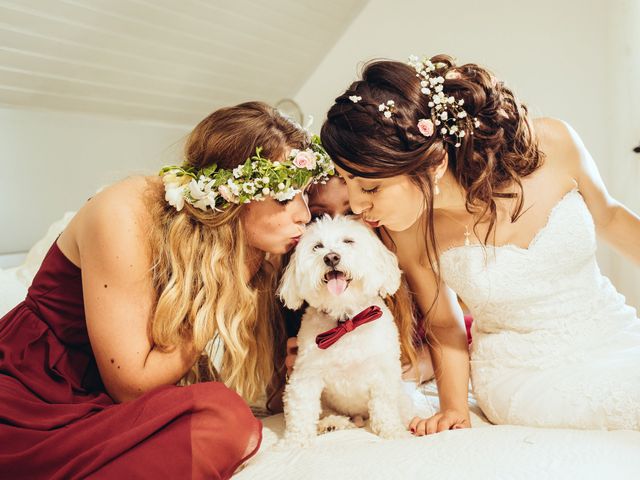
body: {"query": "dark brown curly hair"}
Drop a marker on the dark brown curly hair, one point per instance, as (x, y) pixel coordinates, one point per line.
(495, 155)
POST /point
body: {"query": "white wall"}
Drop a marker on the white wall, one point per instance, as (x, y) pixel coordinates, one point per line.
(51, 162)
(557, 55)
(573, 59)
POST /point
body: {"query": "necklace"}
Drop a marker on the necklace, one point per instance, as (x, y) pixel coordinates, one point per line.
(467, 233)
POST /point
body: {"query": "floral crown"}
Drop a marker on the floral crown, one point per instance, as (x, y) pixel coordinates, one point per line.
(256, 179)
(448, 116)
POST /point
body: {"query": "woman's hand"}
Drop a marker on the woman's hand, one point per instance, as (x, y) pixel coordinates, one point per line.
(441, 421)
(292, 353)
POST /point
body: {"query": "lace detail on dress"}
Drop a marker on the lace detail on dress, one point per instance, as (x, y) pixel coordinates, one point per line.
(553, 342)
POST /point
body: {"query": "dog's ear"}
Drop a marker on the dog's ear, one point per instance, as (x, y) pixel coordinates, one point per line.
(386, 279)
(288, 290)
(391, 272)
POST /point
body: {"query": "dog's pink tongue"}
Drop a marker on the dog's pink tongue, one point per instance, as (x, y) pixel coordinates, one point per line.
(336, 282)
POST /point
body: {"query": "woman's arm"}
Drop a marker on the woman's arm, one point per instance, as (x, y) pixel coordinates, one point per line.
(119, 300)
(449, 351)
(422, 371)
(619, 226)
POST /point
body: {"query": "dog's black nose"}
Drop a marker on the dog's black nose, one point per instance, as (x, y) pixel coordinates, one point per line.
(331, 259)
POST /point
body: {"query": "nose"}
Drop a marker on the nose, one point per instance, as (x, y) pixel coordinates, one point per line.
(331, 259)
(358, 202)
(301, 214)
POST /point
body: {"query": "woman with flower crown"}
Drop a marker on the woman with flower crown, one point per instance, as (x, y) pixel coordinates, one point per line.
(478, 198)
(144, 276)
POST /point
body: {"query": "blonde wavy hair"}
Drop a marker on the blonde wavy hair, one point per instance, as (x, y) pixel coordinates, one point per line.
(199, 258)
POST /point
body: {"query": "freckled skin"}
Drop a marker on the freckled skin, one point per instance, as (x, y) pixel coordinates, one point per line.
(270, 226)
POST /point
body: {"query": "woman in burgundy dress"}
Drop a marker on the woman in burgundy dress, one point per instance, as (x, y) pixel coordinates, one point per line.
(127, 298)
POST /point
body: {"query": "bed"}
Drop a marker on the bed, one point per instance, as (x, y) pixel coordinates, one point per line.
(482, 452)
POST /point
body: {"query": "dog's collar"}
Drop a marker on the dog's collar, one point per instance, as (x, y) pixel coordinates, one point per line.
(341, 319)
(328, 338)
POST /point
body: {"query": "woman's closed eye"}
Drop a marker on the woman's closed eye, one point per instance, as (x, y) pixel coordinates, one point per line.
(369, 191)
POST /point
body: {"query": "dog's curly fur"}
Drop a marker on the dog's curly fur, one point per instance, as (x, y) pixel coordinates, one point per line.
(360, 375)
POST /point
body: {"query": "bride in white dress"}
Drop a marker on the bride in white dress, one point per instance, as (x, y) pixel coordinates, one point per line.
(479, 199)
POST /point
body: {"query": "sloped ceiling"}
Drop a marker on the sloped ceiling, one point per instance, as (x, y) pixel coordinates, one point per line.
(170, 61)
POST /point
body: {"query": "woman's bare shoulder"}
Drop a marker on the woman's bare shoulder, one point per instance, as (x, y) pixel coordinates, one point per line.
(560, 145)
(117, 211)
(555, 138)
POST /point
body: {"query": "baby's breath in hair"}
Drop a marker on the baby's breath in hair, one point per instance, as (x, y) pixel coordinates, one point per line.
(448, 114)
(388, 108)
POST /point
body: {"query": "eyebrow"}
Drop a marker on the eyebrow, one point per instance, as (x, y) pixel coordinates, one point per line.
(318, 205)
(324, 206)
(350, 176)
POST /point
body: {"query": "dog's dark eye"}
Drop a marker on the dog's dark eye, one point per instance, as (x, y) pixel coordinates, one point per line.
(348, 241)
(317, 246)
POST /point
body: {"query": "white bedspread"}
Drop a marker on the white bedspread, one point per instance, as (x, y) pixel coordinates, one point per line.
(483, 452)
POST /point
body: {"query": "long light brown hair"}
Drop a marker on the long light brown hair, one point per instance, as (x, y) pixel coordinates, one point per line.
(199, 257)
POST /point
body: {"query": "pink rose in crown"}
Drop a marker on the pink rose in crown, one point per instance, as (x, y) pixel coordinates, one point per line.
(305, 159)
(426, 127)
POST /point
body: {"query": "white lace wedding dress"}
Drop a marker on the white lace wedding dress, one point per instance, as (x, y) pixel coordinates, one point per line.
(554, 344)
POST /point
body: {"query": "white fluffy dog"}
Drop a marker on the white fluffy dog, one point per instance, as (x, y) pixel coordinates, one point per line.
(341, 268)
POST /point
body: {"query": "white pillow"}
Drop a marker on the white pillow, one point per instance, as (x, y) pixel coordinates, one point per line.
(14, 282)
(29, 268)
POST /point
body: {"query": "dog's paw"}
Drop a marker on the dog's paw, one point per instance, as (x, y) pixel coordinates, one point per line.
(358, 420)
(331, 423)
(393, 433)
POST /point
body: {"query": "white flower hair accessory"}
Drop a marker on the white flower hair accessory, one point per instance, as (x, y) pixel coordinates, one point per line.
(388, 108)
(355, 98)
(447, 113)
(254, 180)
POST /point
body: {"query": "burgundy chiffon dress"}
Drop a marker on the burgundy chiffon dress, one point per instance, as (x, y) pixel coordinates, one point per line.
(58, 422)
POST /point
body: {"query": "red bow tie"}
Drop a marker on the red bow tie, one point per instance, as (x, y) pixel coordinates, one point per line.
(328, 338)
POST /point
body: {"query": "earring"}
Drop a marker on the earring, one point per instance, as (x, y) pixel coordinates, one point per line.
(436, 189)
